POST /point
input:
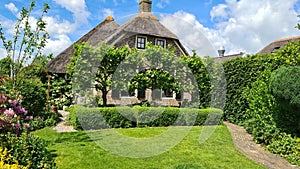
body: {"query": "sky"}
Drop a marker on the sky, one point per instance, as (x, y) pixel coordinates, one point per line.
(201, 25)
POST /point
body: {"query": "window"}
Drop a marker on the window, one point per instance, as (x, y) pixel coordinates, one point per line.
(168, 93)
(141, 94)
(160, 42)
(115, 94)
(141, 42)
(275, 49)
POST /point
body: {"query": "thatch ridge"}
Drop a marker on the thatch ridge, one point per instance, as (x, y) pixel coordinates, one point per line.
(277, 44)
(143, 24)
(93, 37)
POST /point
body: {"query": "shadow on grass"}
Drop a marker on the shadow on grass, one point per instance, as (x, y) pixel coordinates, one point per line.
(73, 137)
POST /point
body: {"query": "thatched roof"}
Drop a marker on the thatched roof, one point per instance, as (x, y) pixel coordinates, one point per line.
(142, 24)
(277, 44)
(111, 33)
(93, 37)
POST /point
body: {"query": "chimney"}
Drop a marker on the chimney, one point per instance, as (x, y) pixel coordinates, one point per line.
(145, 6)
(221, 51)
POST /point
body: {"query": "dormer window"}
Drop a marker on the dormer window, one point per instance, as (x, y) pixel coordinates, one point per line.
(275, 49)
(160, 42)
(141, 42)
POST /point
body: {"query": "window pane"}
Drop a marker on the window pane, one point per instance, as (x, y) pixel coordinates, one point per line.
(141, 42)
(160, 43)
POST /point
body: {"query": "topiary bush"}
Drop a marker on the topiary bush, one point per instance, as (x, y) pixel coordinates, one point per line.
(284, 86)
(124, 117)
(261, 122)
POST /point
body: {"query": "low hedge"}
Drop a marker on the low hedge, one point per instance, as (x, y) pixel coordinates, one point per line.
(125, 117)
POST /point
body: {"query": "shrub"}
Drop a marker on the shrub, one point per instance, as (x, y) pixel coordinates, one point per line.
(284, 86)
(34, 95)
(46, 119)
(260, 122)
(124, 117)
(4, 158)
(13, 117)
(27, 150)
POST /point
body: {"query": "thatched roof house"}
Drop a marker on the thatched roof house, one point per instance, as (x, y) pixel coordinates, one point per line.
(277, 44)
(142, 28)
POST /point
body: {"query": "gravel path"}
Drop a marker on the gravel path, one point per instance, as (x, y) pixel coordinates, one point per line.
(61, 126)
(245, 144)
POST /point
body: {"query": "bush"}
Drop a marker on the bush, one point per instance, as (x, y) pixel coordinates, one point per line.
(27, 150)
(260, 122)
(34, 95)
(4, 158)
(46, 119)
(124, 117)
(13, 117)
(284, 86)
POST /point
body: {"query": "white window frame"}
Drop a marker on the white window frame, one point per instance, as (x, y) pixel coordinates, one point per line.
(136, 41)
(159, 39)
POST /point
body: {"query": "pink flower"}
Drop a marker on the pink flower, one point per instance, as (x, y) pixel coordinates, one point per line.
(24, 111)
(10, 112)
(15, 102)
(29, 118)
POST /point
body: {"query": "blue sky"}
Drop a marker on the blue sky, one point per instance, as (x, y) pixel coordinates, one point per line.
(239, 25)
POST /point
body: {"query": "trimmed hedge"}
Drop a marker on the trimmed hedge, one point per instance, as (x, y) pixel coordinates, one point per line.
(250, 103)
(242, 72)
(125, 117)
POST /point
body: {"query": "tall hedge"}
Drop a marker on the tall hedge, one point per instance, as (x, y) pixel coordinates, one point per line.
(242, 72)
(250, 101)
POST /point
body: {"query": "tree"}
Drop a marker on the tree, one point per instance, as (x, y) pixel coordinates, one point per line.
(95, 64)
(5, 66)
(110, 62)
(154, 68)
(27, 42)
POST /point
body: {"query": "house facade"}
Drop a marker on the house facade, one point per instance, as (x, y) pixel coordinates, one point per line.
(139, 30)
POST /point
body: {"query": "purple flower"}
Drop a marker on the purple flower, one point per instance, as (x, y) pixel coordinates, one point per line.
(10, 101)
(18, 125)
(27, 126)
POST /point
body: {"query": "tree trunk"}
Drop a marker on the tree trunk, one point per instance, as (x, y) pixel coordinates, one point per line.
(104, 98)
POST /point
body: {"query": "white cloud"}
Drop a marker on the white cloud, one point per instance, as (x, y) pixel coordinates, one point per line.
(77, 7)
(11, 7)
(56, 28)
(240, 26)
(219, 11)
(252, 24)
(57, 45)
(3, 53)
(190, 32)
(107, 12)
(162, 3)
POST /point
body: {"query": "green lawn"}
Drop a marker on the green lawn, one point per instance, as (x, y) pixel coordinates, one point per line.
(78, 150)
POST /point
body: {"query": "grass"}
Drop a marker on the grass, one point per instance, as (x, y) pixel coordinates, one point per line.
(82, 150)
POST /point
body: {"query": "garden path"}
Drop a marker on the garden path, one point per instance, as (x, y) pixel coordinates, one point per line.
(62, 126)
(245, 144)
